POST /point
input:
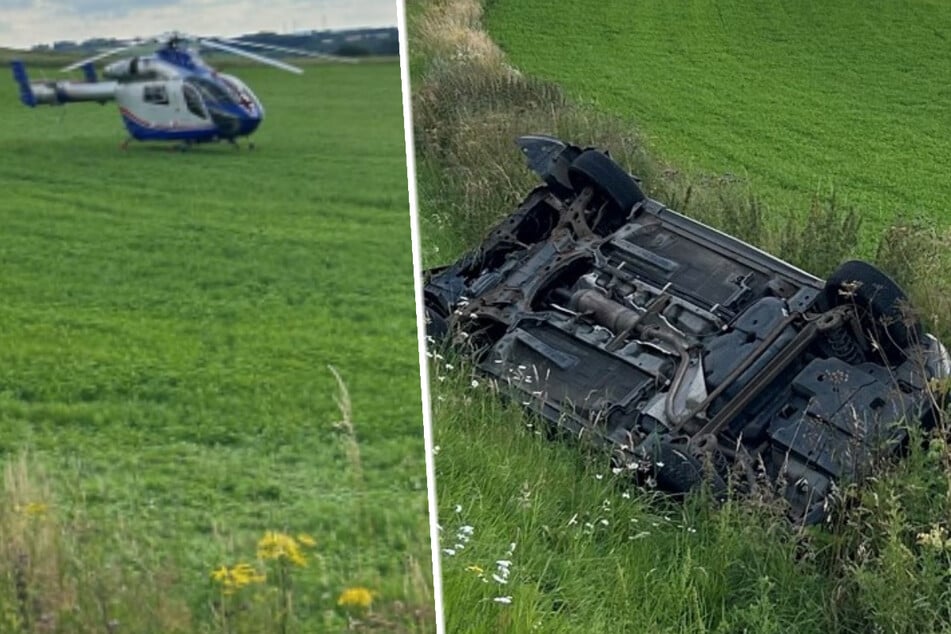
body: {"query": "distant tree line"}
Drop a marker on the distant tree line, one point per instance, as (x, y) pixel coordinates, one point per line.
(347, 43)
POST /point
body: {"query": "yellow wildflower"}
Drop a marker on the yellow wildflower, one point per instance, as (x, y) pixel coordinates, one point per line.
(306, 540)
(475, 569)
(356, 597)
(281, 547)
(32, 509)
(233, 579)
(220, 574)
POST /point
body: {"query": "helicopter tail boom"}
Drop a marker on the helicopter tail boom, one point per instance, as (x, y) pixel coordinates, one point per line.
(54, 93)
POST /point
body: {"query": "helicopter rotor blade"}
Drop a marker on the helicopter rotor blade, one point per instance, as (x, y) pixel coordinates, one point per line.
(286, 49)
(250, 55)
(98, 56)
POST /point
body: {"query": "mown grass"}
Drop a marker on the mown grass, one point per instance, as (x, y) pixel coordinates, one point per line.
(591, 552)
(796, 98)
(166, 331)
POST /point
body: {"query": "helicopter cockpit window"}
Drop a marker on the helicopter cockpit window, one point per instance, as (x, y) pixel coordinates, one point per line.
(213, 92)
(155, 94)
(193, 101)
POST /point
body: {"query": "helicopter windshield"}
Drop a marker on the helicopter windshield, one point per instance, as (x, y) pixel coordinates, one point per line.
(193, 101)
(212, 91)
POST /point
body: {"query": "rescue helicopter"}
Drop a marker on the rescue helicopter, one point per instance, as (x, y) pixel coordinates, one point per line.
(170, 94)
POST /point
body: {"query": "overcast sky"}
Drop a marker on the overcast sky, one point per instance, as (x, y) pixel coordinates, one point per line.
(24, 23)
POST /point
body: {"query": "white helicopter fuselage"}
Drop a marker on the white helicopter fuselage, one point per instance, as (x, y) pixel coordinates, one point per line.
(161, 99)
(171, 95)
(160, 105)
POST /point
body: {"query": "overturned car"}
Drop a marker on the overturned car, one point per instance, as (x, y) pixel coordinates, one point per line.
(689, 354)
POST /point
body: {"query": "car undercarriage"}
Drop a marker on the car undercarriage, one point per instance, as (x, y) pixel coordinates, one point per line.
(688, 354)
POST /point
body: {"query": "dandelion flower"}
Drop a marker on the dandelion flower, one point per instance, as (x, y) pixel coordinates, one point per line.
(356, 597)
(306, 540)
(475, 569)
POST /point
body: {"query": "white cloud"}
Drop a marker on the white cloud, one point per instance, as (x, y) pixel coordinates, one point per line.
(24, 23)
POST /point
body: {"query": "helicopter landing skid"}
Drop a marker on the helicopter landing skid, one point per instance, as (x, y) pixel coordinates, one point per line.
(237, 146)
(181, 147)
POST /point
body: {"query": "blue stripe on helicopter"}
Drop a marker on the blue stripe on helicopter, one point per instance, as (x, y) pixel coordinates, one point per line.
(144, 131)
(182, 58)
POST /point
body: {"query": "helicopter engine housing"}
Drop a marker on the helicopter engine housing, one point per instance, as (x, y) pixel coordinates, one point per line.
(137, 68)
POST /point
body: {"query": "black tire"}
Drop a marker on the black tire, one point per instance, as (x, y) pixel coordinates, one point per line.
(881, 304)
(437, 326)
(678, 472)
(610, 182)
(556, 176)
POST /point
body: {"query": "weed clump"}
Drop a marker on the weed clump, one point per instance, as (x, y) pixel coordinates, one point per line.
(58, 573)
(916, 254)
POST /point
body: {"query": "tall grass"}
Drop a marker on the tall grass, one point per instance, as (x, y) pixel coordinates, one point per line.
(584, 551)
(60, 572)
(916, 253)
(63, 572)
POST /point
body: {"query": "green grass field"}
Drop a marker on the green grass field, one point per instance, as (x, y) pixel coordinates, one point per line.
(166, 326)
(795, 97)
(584, 549)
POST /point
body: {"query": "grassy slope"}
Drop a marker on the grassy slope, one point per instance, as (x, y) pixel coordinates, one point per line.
(592, 553)
(167, 322)
(794, 96)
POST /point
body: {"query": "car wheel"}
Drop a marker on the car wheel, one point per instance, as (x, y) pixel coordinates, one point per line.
(610, 182)
(436, 325)
(679, 472)
(881, 304)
